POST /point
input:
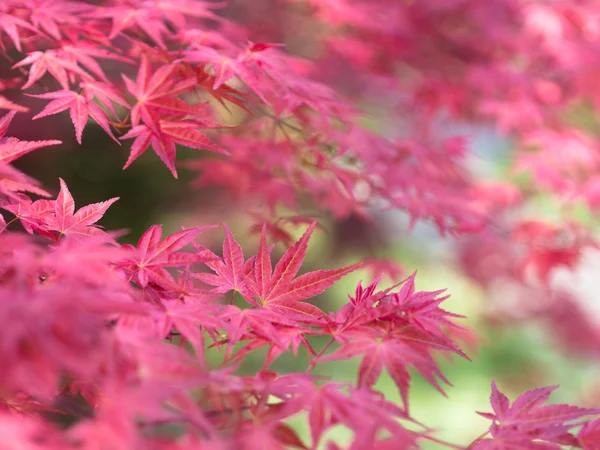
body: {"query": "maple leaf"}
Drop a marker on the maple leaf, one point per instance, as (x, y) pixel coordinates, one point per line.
(80, 108)
(278, 290)
(395, 350)
(104, 93)
(175, 11)
(239, 323)
(230, 274)
(156, 93)
(11, 24)
(154, 255)
(31, 214)
(363, 411)
(394, 330)
(53, 62)
(83, 52)
(12, 148)
(50, 16)
(187, 319)
(528, 423)
(67, 222)
(126, 17)
(422, 311)
(171, 132)
(227, 67)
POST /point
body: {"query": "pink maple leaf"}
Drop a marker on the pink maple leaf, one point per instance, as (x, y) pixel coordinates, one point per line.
(278, 290)
(52, 61)
(156, 93)
(67, 222)
(229, 271)
(80, 108)
(154, 255)
(528, 423)
(163, 142)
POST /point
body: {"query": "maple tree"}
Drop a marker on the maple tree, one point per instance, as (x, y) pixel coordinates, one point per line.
(111, 346)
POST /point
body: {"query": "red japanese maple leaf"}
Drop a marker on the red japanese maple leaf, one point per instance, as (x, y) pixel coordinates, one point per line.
(83, 52)
(278, 290)
(31, 214)
(52, 61)
(156, 93)
(163, 142)
(229, 271)
(105, 93)
(395, 350)
(528, 423)
(80, 107)
(364, 411)
(246, 65)
(126, 17)
(67, 222)
(11, 24)
(154, 255)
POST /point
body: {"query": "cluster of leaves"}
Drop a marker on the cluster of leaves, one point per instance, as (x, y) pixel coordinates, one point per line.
(111, 346)
(527, 67)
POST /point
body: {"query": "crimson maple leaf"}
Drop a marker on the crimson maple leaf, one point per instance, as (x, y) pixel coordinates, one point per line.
(362, 410)
(226, 67)
(67, 222)
(395, 350)
(80, 107)
(171, 133)
(154, 255)
(156, 93)
(528, 423)
(31, 214)
(105, 93)
(230, 274)
(52, 61)
(278, 290)
(10, 24)
(126, 17)
(83, 52)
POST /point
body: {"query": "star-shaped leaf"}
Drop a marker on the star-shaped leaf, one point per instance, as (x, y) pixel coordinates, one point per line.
(277, 288)
(67, 222)
(154, 255)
